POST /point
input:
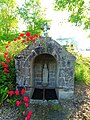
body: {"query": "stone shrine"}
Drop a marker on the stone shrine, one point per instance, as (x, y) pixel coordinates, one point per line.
(45, 64)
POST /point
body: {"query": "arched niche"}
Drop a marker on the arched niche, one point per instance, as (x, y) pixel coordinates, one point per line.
(38, 64)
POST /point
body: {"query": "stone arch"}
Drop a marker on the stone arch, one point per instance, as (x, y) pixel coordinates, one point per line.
(38, 63)
(64, 61)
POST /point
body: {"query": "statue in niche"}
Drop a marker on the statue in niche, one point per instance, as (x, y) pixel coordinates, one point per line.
(45, 75)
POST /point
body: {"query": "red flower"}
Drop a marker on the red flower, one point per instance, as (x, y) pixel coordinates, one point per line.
(39, 36)
(8, 60)
(28, 34)
(9, 42)
(6, 46)
(15, 39)
(23, 40)
(10, 86)
(22, 35)
(26, 99)
(19, 38)
(18, 103)
(27, 39)
(6, 70)
(11, 93)
(29, 113)
(5, 56)
(26, 118)
(24, 112)
(35, 35)
(6, 53)
(26, 104)
(17, 92)
(31, 37)
(22, 91)
(5, 65)
(33, 40)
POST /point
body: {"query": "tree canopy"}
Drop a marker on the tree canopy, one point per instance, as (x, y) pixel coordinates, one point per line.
(79, 11)
(8, 19)
(32, 15)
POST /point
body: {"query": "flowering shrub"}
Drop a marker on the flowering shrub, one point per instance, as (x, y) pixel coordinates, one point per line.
(7, 68)
(22, 102)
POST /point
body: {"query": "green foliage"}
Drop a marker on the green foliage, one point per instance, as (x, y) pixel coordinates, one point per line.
(8, 51)
(56, 107)
(82, 70)
(13, 99)
(6, 80)
(8, 19)
(2, 48)
(8, 36)
(78, 10)
(82, 67)
(32, 15)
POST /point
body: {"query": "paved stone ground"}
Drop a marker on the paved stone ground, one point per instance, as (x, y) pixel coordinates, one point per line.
(75, 109)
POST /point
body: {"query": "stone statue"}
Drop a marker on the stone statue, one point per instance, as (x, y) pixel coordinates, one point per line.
(45, 75)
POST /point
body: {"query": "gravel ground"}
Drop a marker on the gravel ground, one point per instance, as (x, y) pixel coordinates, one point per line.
(76, 109)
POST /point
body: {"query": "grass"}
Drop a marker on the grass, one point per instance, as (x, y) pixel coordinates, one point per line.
(82, 69)
(56, 107)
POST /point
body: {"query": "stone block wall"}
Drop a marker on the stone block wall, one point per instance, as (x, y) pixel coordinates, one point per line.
(60, 63)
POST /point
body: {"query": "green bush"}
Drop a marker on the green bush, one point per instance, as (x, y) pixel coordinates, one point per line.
(82, 67)
(82, 70)
(6, 80)
(7, 64)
